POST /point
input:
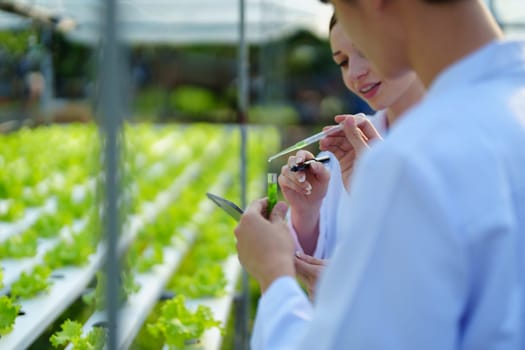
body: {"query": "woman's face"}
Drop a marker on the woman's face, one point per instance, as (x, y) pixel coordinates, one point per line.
(361, 78)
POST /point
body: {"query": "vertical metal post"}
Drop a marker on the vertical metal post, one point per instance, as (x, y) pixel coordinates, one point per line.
(243, 314)
(46, 67)
(111, 120)
(262, 76)
(243, 96)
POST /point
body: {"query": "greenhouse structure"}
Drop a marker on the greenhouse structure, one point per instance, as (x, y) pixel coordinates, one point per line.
(107, 237)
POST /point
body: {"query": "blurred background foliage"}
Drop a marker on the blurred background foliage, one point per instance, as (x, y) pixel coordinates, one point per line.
(15, 43)
(292, 81)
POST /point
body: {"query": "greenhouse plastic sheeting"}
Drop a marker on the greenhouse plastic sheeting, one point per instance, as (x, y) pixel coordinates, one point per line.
(187, 21)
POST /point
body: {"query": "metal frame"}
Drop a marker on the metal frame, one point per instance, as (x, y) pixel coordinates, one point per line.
(110, 74)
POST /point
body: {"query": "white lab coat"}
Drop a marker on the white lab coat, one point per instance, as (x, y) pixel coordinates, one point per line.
(433, 250)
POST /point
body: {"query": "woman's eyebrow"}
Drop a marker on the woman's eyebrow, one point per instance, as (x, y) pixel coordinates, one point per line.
(336, 53)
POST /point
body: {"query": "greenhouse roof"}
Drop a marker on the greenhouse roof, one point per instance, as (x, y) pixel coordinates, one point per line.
(214, 21)
(186, 21)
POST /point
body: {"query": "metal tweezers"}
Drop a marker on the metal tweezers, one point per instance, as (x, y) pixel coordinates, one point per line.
(304, 165)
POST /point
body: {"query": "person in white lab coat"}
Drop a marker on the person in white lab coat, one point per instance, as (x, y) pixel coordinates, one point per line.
(434, 253)
(314, 195)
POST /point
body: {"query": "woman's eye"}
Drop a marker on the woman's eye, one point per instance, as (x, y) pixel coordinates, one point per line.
(343, 63)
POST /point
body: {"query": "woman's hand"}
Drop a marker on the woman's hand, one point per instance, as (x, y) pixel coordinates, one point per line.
(304, 190)
(347, 145)
(308, 270)
(265, 246)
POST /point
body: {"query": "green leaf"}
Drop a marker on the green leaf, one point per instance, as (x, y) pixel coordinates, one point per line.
(70, 333)
(177, 324)
(208, 281)
(8, 314)
(28, 285)
(49, 225)
(15, 211)
(97, 297)
(20, 246)
(72, 252)
(97, 338)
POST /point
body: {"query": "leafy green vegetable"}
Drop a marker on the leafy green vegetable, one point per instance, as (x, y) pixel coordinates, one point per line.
(209, 281)
(97, 297)
(20, 245)
(49, 225)
(71, 333)
(153, 159)
(8, 313)
(71, 252)
(33, 198)
(201, 274)
(178, 325)
(66, 204)
(29, 285)
(143, 256)
(14, 212)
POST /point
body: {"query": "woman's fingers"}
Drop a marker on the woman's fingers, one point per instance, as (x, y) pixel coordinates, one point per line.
(358, 129)
(293, 179)
(369, 130)
(288, 180)
(299, 157)
(304, 270)
(308, 270)
(310, 259)
(336, 141)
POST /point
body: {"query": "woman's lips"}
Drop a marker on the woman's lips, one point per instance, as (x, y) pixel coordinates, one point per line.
(370, 90)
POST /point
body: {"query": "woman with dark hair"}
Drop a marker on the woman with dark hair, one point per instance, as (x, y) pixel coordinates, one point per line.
(316, 194)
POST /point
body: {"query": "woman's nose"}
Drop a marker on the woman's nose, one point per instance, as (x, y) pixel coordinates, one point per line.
(357, 67)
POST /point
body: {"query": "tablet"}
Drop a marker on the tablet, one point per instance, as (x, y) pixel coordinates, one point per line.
(229, 207)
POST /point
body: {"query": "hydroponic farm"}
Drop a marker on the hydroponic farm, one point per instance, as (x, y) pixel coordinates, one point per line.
(108, 239)
(126, 127)
(178, 265)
